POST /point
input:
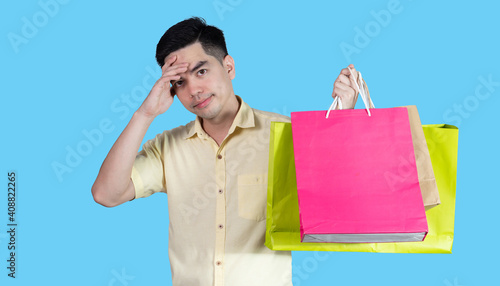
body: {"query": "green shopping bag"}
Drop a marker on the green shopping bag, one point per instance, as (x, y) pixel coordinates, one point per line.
(282, 223)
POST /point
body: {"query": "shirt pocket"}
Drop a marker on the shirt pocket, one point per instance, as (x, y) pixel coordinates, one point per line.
(252, 196)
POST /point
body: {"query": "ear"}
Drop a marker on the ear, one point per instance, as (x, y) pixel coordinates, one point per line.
(228, 64)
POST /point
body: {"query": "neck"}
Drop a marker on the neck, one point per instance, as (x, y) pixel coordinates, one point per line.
(218, 127)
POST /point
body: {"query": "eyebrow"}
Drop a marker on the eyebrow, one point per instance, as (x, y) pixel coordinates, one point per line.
(197, 66)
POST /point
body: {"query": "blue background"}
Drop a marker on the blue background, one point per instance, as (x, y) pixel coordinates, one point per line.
(67, 67)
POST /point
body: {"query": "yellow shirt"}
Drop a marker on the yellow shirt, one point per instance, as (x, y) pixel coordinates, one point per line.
(216, 201)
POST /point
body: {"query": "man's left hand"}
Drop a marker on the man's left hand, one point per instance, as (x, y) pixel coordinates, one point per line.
(345, 87)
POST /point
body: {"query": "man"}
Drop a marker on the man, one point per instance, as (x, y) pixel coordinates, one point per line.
(214, 169)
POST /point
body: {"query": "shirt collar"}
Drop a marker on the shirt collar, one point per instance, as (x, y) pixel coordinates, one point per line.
(244, 119)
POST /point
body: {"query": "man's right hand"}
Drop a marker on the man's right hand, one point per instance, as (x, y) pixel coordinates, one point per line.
(113, 185)
(161, 96)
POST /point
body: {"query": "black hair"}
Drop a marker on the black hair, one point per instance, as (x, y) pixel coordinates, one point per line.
(188, 32)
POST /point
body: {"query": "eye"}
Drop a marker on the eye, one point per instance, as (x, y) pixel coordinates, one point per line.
(202, 71)
(178, 83)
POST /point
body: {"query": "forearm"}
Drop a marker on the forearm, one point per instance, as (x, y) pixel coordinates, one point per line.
(112, 182)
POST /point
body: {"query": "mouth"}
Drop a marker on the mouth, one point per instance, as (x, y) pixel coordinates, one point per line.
(203, 103)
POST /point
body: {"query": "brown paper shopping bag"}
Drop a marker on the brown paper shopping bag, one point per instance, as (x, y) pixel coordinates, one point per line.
(428, 186)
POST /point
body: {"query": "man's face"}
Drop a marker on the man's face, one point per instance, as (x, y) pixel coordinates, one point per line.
(205, 88)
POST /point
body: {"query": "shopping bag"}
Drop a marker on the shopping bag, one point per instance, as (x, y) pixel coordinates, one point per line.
(282, 223)
(426, 179)
(356, 181)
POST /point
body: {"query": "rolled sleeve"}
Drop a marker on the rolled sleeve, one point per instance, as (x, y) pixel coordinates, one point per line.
(148, 169)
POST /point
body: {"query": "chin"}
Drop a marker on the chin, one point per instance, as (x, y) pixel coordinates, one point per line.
(206, 116)
(209, 114)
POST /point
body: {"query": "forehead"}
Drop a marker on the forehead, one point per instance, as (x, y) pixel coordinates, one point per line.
(191, 54)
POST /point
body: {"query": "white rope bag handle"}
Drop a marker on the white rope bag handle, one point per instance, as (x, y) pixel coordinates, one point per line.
(363, 91)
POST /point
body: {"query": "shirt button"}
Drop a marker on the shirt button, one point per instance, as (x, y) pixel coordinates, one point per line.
(221, 191)
(221, 226)
(218, 263)
(219, 156)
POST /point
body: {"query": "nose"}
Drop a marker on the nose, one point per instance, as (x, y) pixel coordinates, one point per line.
(195, 88)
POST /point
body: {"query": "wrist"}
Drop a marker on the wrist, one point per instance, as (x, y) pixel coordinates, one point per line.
(143, 116)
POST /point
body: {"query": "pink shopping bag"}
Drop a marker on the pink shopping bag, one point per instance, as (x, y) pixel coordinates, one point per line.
(357, 179)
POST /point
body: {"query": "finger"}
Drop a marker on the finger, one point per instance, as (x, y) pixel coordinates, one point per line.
(343, 90)
(343, 79)
(346, 70)
(176, 69)
(164, 81)
(169, 62)
(353, 77)
(351, 66)
(343, 86)
(348, 73)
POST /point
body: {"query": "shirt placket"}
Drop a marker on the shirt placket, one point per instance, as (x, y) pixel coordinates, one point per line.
(220, 216)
